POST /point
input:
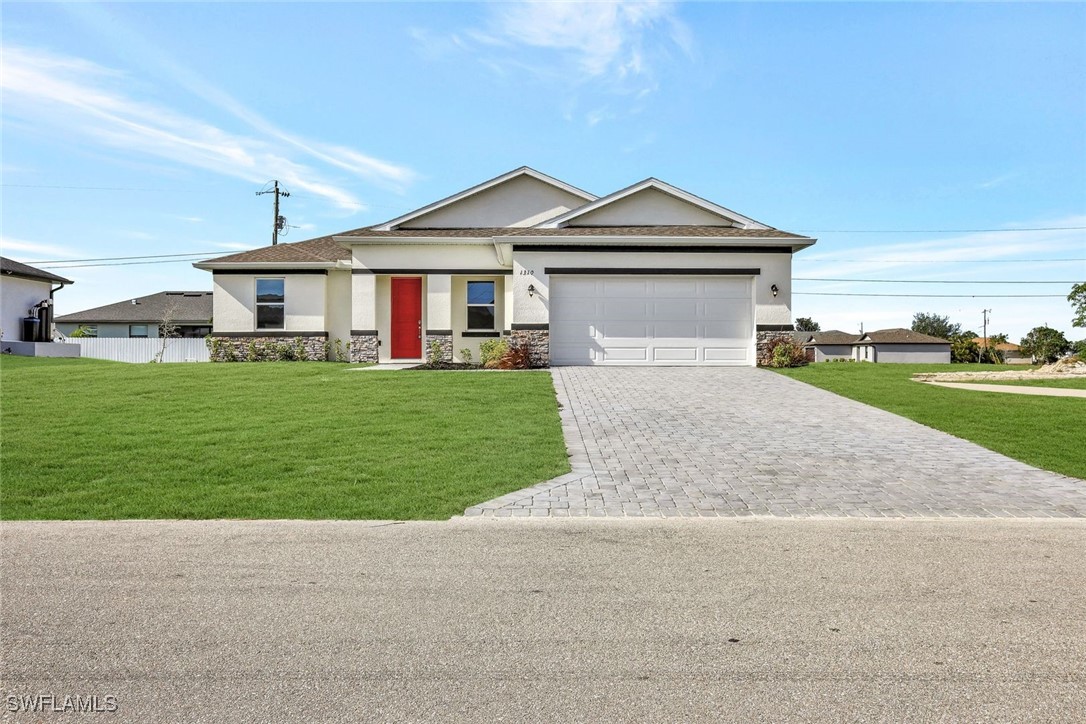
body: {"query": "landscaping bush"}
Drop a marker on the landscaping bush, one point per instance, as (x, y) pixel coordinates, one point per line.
(517, 357)
(783, 353)
(492, 351)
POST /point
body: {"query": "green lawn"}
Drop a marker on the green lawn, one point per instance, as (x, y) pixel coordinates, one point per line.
(87, 439)
(1047, 432)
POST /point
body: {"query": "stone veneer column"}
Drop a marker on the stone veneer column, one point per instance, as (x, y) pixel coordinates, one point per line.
(364, 344)
(538, 339)
(444, 338)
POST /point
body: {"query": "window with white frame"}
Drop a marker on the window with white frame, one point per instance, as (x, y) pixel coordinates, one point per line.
(481, 305)
(137, 330)
(270, 303)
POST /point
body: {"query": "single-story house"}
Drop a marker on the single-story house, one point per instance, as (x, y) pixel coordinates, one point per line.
(27, 292)
(833, 344)
(647, 275)
(189, 313)
(1012, 354)
(900, 345)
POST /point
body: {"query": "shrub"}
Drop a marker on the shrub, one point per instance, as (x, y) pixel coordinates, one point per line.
(340, 354)
(465, 354)
(492, 351)
(299, 349)
(251, 352)
(785, 353)
(518, 356)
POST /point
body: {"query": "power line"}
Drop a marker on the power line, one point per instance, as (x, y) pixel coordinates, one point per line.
(120, 263)
(925, 281)
(121, 258)
(931, 296)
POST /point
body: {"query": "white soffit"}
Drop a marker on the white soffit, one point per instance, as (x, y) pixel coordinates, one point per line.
(732, 217)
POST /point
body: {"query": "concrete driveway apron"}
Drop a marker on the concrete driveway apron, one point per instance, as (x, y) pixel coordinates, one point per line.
(729, 441)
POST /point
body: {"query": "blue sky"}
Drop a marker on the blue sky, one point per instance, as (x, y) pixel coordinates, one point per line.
(146, 128)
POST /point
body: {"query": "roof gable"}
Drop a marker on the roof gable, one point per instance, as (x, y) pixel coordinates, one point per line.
(521, 198)
(652, 203)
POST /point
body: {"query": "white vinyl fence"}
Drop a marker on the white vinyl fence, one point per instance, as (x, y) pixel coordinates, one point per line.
(121, 349)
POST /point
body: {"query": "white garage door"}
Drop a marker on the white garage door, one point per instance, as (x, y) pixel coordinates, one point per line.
(651, 320)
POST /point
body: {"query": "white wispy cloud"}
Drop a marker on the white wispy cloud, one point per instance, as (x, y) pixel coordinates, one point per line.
(94, 102)
(23, 249)
(614, 42)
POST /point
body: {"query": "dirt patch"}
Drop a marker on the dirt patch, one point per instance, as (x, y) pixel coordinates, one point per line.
(1060, 370)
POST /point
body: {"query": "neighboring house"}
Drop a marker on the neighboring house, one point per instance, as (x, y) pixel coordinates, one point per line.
(648, 275)
(1012, 355)
(833, 344)
(188, 312)
(28, 292)
(900, 345)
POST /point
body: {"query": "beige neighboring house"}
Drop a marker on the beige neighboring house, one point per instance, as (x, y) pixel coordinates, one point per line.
(647, 275)
(188, 312)
(1012, 354)
(900, 345)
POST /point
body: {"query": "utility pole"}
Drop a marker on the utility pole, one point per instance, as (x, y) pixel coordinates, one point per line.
(278, 222)
(985, 312)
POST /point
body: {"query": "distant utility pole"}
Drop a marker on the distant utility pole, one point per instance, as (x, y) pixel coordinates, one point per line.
(985, 312)
(278, 222)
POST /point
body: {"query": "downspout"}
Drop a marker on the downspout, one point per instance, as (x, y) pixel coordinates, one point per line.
(52, 313)
(498, 252)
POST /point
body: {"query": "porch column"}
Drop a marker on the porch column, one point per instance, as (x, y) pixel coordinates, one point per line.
(364, 341)
(439, 318)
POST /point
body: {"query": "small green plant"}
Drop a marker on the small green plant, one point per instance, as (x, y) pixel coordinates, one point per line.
(465, 354)
(434, 357)
(81, 331)
(229, 352)
(340, 354)
(492, 351)
(300, 352)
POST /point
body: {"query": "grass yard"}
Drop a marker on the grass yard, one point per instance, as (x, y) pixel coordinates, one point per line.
(1047, 432)
(88, 439)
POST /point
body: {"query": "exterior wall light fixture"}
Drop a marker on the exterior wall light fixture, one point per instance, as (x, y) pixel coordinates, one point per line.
(531, 290)
(774, 289)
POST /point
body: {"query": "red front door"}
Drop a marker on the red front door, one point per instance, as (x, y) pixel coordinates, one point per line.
(406, 317)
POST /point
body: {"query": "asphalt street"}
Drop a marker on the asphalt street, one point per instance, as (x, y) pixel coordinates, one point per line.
(547, 620)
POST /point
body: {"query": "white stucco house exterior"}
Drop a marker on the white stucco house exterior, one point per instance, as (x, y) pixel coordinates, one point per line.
(647, 275)
(24, 291)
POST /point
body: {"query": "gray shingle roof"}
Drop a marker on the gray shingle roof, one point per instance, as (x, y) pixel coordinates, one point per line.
(834, 336)
(10, 267)
(899, 335)
(185, 306)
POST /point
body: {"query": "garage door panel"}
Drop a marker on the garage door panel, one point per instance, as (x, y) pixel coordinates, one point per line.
(651, 320)
(625, 354)
(675, 354)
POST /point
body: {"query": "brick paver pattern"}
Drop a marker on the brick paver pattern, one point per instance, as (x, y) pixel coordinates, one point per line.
(696, 442)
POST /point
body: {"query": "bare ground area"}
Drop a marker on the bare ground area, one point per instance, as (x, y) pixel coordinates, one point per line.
(1061, 370)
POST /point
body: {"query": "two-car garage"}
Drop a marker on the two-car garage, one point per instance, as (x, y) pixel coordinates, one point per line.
(651, 319)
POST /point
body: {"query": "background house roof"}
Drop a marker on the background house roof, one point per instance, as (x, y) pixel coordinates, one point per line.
(1002, 346)
(900, 336)
(831, 336)
(182, 307)
(10, 267)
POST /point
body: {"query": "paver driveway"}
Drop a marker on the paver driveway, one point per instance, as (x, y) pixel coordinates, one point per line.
(742, 441)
